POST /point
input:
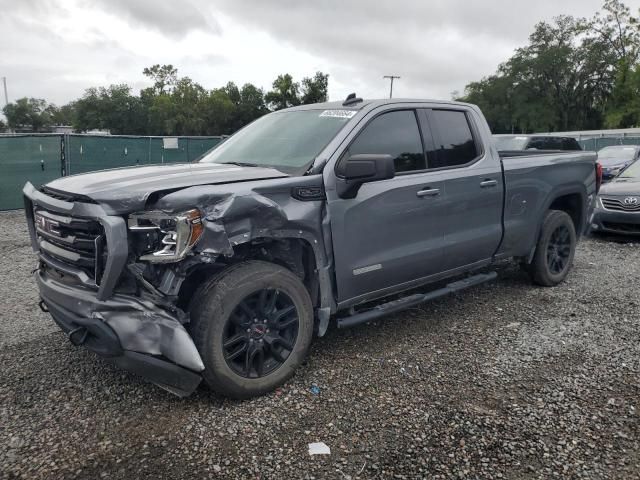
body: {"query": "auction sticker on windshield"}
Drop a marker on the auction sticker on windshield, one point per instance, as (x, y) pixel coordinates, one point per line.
(338, 113)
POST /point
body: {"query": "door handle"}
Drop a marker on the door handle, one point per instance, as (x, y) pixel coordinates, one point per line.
(428, 192)
(488, 183)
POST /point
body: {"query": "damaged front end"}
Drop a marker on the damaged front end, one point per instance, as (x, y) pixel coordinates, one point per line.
(118, 277)
(135, 334)
(93, 292)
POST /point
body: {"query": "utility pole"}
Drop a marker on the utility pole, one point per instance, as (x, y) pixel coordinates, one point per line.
(391, 77)
(6, 97)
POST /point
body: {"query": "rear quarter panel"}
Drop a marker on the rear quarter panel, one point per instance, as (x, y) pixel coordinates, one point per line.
(532, 183)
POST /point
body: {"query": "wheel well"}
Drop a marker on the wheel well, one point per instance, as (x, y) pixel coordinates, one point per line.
(571, 204)
(294, 254)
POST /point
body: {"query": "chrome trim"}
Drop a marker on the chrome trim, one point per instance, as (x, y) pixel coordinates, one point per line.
(614, 204)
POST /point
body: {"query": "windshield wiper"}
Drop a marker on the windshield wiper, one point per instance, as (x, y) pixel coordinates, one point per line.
(242, 164)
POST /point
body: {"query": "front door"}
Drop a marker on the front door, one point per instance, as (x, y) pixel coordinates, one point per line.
(390, 233)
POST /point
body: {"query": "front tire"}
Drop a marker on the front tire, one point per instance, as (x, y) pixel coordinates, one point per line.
(555, 249)
(252, 325)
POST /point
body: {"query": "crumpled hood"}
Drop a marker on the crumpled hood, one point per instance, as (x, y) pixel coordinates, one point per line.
(124, 190)
(621, 186)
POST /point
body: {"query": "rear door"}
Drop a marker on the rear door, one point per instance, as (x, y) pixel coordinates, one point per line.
(472, 209)
(390, 234)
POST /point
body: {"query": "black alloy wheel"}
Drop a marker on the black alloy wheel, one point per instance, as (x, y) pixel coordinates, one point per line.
(260, 333)
(554, 250)
(559, 250)
(252, 324)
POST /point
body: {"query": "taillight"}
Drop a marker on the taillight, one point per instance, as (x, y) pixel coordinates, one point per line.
(598, 176)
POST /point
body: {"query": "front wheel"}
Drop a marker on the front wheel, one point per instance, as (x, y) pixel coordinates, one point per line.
(252, 326)
(555, 249)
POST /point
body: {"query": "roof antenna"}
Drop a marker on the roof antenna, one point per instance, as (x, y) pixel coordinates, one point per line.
(351, 100)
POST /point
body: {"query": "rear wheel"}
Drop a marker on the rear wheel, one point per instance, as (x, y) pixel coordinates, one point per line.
(252, 326)
(555, 249)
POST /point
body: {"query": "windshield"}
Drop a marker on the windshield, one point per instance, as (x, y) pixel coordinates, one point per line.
(287, 141)
(616, 155)
(511, 143)
(632, 172)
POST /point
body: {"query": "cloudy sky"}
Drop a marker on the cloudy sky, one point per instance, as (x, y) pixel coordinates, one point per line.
(55, 49)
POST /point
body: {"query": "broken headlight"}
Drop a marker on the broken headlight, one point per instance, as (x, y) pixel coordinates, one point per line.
(162, 237)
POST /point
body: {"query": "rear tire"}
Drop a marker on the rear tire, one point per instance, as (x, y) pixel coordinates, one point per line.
(555, 249)
(252, 325)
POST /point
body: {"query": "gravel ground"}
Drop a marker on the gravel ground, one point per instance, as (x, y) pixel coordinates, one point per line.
(503, 381)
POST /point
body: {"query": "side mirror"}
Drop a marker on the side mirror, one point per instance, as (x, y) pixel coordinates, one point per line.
(355, 170)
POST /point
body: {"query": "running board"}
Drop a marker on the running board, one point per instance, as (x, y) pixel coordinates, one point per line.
(413, 300)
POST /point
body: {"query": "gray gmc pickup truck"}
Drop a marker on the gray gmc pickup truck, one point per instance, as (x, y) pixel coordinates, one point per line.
(223, 270)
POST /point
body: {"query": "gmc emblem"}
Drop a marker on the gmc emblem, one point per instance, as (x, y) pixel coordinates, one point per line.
(47, 225)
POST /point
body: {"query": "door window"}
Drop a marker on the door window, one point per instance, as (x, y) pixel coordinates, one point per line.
(394, 133)
(456, 145)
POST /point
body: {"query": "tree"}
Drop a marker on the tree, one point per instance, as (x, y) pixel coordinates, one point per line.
(34, 113)
(495, 97)
(573, 74)
(64, 115)
(112, 108)
(624, 109)
(284, 94)
(174, 105)
(3, 126)
(159, 113)
(564, 72)
(315, 90)
(618, 31)
(233, 92)
(88, 111)
(187, 100)
(252, 104)
(163, 76)
(219, 113)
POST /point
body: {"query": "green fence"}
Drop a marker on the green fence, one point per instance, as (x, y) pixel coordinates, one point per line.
(45, 157)
(22, 158)
(596, 143)
(40, 158)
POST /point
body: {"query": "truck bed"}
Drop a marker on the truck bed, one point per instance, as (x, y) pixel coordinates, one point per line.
(531, 179)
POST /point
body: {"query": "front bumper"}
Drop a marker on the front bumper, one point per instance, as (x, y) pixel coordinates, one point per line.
(130, 331)
(135, 335)
(607, 221)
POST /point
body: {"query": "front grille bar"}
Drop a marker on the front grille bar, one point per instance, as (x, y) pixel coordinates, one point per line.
(619, 206)
(113, 232)
(70, 240)
(98, 263)
(73, 258)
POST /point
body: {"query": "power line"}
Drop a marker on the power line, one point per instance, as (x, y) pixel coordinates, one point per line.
(391, 77)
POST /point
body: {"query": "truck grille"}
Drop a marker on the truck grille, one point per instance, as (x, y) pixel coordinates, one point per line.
(620, 205)
(74, 242)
